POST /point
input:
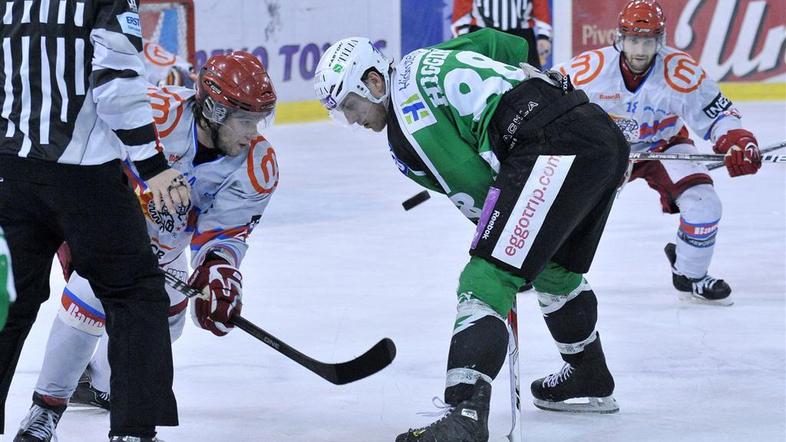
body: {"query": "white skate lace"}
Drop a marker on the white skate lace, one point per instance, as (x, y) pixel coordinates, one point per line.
(40, 422)
(555, 378)
(699, 286)
(443, 408)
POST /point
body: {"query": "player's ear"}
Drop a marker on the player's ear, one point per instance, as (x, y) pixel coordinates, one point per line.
(376, 83)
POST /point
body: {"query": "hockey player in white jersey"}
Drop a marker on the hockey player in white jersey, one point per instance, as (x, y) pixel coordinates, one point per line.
(654, 92)
(211, 136)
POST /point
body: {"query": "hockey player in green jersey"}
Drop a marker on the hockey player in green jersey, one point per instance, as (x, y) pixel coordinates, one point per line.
(7, 289)
(530, 161)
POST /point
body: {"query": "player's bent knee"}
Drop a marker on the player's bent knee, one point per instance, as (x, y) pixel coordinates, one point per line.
(76, 312)
(557, 280)
(700, 203)
(490, 284)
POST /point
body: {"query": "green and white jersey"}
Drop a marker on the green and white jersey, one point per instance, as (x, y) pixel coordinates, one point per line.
(442, 99)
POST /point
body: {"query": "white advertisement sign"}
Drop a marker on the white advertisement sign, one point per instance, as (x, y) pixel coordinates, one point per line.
(289, 36)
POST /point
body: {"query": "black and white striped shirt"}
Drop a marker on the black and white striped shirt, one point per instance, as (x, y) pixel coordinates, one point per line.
(503, 15)
(72, 86)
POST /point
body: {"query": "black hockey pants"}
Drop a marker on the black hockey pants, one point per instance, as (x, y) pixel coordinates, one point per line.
(94, 210)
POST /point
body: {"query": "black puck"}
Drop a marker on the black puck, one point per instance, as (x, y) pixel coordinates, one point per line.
(415, 200)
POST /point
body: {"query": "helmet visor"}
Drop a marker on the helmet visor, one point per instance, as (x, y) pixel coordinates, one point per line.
(353, 110)
(240, 120)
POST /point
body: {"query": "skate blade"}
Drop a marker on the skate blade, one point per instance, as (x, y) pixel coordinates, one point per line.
(602, 405)
(695, 299)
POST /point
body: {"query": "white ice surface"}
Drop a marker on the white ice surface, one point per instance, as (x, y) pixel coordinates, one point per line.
(337, 264)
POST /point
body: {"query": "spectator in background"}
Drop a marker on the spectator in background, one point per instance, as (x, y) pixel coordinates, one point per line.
(528, 19)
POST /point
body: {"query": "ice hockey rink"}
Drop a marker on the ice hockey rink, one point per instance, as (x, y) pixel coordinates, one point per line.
(336, 264)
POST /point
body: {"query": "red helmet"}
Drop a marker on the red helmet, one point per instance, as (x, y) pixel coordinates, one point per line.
(236, 81)
(642, 18)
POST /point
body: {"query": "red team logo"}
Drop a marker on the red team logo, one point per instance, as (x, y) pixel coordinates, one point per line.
(265, 178)
(682, 73)
(157, 55)
(164, 101)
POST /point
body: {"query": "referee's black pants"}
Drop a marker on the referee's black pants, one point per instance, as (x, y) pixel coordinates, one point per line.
(94, 210)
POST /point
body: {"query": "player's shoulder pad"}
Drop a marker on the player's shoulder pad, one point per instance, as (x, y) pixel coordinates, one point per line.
(586, 66)
(262, 166)
(169, 106)
(681, 72)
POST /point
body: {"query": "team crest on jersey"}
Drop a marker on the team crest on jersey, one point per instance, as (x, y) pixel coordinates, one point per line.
(683, 73)
(628, 126)
(168, 107)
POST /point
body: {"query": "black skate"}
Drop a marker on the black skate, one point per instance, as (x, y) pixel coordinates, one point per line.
(134, 439)
(466, 422)
(585, 387)
(40, 423)
(86, 395)
(705, 290)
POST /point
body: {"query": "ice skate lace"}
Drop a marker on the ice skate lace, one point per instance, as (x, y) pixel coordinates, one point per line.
(104, 396)
(443, 409)
(699, 286)
(555, 378)
(40, 423)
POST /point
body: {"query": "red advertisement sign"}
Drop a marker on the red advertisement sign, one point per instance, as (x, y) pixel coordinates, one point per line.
(733, 40)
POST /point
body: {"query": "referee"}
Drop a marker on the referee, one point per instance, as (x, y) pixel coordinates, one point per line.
(74, 105)
(528, 19)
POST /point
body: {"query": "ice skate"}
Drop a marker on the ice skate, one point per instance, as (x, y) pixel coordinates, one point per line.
(466, 422)
(705, 290)
(86, 395)
(41, 421)
(134, 439)
(586, 387)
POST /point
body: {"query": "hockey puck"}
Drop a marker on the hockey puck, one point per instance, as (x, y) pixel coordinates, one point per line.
(415, 200)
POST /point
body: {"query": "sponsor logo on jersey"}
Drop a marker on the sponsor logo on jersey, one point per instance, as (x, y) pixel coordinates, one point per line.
(533, 205)
(133, 6)
(488, 217)
(414, 109)
(609, 97)
(416, 113)
(405, 71)
(130, 24)
(717, 106)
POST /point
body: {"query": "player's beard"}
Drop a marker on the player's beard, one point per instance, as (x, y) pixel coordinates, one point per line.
(638, 63)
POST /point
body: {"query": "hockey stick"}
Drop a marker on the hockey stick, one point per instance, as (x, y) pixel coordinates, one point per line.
(516, 430)
(646, 156)
(370, 362)
(767, 149)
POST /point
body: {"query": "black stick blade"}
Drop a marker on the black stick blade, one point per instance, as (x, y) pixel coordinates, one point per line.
(375, 359)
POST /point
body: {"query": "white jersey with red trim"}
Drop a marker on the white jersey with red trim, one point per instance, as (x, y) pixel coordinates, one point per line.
(228, 194)
(676, 92)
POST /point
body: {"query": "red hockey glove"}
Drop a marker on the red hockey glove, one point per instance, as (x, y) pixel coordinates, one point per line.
(221, 285)
(742, 152)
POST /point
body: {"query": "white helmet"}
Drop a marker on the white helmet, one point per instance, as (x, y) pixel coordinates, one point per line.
(340, 70)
